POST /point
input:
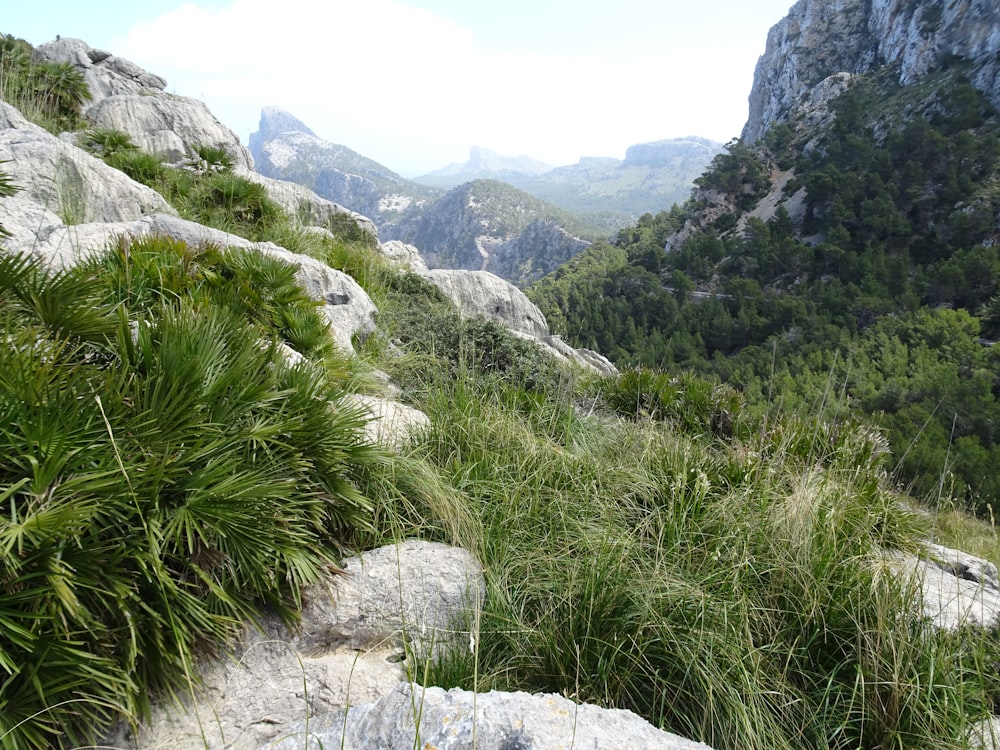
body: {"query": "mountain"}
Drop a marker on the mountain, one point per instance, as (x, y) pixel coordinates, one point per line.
(491, 226)
(284, 148)
(607, 192)
(483, 164)
(848, 245)
(480, 225)
(652, 177)
(178, 377)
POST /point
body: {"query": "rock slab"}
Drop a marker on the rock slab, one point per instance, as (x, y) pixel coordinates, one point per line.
(414, 717)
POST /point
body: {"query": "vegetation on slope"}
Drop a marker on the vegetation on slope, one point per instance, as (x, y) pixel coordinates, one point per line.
(886, 290)
(649, 542)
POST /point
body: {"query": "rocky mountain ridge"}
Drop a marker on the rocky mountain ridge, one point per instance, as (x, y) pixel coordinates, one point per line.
(588, 200)
(820, 38)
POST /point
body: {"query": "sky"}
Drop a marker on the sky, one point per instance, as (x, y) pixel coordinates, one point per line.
(413, 84)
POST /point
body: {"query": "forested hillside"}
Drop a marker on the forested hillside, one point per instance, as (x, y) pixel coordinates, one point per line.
(871, 287)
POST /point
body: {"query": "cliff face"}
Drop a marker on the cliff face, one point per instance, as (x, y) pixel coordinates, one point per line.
(819, 38)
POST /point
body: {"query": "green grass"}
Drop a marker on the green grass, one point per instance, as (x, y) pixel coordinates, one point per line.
(732, 590)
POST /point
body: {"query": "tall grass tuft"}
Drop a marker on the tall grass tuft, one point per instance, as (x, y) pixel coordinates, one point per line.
(731, 586)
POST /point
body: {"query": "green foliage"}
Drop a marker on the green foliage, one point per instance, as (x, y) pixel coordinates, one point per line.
(105, 143)
(48, 93)
(694, 405)
(899, 216)
(738, 173)
(149, 434)
(731, 590)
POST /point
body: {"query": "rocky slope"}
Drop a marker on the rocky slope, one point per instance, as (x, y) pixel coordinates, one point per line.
(284, 148)
(477, 226)
(490, 226)
(606, 191)
(820, 38)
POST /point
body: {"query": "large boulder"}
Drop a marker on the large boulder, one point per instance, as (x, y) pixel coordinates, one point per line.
(170, 127)
(66, 181)
(128, 99)
(308, 208)
(348, 650)
(105, 74)
(482, 294)
(390, 424)
(411, 717)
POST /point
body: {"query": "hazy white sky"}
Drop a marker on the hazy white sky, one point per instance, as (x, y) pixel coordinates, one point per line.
(414, 83)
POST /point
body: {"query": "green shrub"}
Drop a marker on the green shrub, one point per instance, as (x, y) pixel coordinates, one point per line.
(149, 433)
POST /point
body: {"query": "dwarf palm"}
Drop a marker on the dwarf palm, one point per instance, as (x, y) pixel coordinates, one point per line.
(146, 437)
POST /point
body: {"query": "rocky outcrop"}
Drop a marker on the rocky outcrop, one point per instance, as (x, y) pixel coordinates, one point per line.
(482, 294)
(168, 126)
(307, 207)
(349, 649)
(66, 182)
(541, 247)
(404, 255)
(390, 424)
(490, 226)
(819, 38)
(105, 74)
(128, 99)
(411, 716)
(958, 589)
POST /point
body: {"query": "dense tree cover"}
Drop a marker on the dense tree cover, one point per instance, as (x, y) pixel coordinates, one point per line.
(881, 292)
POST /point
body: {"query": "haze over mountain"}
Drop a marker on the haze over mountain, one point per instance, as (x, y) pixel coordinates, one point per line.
(475, 228)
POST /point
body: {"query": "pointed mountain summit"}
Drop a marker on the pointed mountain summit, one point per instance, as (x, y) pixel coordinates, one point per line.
(284, 148)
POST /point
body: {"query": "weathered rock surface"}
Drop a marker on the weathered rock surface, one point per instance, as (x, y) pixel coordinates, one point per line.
(482, 294)
(958, 589)
(309, 208)
(406, 256)
(105, 74)
(819, 38)
(128, 99)
(66, 181)
(411, 716)
(391, 423)
(168, 126)
(347, 650)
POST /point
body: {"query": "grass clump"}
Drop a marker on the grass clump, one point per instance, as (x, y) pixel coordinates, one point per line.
(733, 588)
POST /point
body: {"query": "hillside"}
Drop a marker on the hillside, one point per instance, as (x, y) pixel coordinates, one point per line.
(848, 245)
(217, 387)
(491, 226)
(284, 148)
(481, 225)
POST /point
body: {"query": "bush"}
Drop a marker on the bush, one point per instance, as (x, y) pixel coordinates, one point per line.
(149, 434)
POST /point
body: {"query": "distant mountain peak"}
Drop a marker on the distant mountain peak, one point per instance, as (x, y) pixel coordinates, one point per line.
(484, 163)
(274, 121)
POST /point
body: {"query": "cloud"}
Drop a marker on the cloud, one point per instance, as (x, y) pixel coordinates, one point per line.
(415, 90)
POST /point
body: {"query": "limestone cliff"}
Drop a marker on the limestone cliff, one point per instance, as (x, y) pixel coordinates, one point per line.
(819, 38)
